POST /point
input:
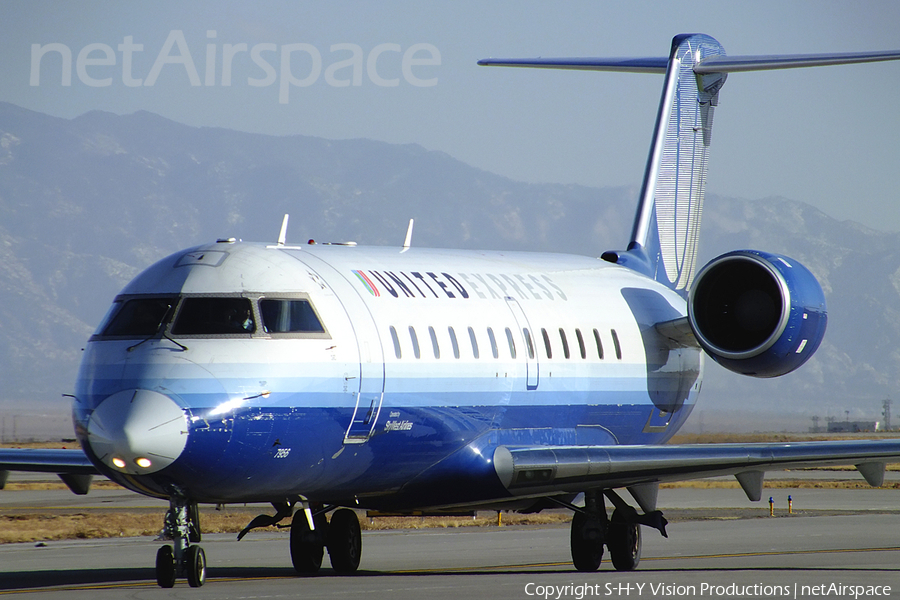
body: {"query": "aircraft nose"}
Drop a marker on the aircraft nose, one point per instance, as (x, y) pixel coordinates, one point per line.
(137, 431)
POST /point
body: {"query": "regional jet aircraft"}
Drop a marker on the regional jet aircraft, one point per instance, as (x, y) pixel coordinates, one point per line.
(328, 378)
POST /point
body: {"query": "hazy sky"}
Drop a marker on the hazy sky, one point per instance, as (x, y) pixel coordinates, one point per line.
(405, 72)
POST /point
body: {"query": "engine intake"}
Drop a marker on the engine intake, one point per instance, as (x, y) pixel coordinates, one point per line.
(757, 313)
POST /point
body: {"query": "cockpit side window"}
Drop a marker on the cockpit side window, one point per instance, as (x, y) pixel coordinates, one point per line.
(214, 316)
(289, 316)
(139, 317)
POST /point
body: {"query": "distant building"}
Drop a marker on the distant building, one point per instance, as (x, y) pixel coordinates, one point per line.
(851, 426)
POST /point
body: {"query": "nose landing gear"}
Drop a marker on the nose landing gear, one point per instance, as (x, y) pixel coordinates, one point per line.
(182, 526)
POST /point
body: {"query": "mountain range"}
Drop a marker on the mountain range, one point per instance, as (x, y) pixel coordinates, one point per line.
(87, 203)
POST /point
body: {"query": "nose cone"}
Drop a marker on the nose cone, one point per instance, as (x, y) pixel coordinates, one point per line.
(137, 431)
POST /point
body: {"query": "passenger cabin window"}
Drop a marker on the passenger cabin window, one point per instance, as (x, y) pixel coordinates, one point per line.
(214, 316)
(289, 316)
(139, 317)
(493, 340)
(415, 341)
(599, 344)
(396, 341)
(474, 342)
(529, 345)
(434, 342)
(453, 342)
(512, 343)
(546, 343)
(580, 343)
(565, 342)
(615, 338)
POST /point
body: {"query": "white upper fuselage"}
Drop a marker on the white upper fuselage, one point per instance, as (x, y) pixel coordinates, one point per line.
(418, 349)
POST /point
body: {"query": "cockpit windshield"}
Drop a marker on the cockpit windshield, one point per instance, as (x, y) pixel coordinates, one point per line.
(214, 316)
(206, 315)
(140, 317)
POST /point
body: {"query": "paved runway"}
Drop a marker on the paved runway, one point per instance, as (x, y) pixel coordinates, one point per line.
(495, 563)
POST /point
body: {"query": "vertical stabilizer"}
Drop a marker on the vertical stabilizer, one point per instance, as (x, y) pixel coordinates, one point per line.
(664, 240)
(667, 225)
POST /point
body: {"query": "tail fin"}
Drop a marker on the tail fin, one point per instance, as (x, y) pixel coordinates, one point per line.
(666, 228)
(664, 239)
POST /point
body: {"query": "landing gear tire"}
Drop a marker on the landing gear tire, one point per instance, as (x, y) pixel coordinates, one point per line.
(624, 543)
(195, 566)
(587, 539)
(165, 567)
(344, 541)
(307, 545)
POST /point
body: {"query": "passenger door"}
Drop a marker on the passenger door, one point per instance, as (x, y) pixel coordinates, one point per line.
(526, 336)
(367, 383)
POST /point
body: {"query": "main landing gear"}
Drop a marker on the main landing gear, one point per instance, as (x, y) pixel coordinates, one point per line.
(311, 534)
(182, 526)
(621, 534)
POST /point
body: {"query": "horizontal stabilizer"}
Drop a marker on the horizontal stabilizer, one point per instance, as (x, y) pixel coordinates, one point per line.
(738, 64)
(622, 65)
(708, 65)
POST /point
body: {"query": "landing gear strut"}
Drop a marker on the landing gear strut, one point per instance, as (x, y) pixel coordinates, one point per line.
(182, 526)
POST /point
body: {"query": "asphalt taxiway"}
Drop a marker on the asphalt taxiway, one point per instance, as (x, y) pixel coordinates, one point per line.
(750, 554)
(754, 554)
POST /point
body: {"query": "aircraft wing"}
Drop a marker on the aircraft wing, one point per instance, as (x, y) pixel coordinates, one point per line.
(534, 471)
(72, 466)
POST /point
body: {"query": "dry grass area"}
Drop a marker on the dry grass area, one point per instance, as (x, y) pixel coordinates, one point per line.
(59, 525)
(483, 519)
(39, 527)
(705, 484)
(14, 486)
(52, 445)
(43, 527)
(774, 437)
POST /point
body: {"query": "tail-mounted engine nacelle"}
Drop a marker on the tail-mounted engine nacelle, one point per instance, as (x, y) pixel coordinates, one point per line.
(757, 313)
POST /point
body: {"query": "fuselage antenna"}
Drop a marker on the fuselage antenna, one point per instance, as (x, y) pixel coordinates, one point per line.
(408, 239)
(282, 237)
